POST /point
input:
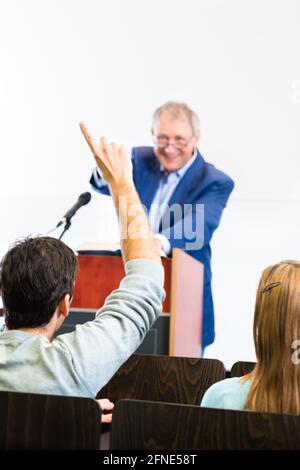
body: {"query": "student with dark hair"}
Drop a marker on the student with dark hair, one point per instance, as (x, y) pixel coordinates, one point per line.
(36, 274)
(274, 384)
(37, 279)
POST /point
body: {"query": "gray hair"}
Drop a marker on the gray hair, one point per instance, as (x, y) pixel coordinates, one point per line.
(177, 110)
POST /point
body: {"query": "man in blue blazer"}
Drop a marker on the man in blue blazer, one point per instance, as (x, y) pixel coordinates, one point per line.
(182, 193)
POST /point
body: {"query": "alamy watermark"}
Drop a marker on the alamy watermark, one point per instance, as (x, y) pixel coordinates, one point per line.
(178, 222)
(296, 91)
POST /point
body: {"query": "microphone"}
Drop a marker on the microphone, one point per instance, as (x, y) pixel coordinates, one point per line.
(83, 199)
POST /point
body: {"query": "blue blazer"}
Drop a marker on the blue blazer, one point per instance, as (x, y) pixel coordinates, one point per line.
(202, 184)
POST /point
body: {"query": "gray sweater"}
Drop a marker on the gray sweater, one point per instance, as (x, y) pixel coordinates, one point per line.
(81, 363)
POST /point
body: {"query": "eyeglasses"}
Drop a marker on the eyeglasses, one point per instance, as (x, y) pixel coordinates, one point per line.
(178, 142)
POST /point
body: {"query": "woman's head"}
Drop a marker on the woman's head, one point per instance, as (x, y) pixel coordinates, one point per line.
(277, 312)
(276, 377)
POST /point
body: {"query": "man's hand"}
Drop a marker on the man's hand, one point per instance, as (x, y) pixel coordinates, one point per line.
(106, 405)
(111, 159)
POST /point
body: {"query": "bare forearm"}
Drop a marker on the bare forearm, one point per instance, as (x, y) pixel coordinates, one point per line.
(136, 237)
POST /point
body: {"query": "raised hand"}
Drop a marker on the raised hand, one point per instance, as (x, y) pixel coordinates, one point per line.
(112, 160)
(136, 237)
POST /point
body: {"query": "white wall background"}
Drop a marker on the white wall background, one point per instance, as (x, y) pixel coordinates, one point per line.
(111, 63)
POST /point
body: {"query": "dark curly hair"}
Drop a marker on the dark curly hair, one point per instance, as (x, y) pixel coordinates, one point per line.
(35, 274)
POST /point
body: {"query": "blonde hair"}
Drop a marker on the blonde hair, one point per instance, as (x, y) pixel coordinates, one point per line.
(177, 111)
(276, 379)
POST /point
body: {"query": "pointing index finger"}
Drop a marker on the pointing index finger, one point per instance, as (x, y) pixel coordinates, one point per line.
(88, 137)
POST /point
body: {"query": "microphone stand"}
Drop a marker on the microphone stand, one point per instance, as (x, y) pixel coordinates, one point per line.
(66, 227)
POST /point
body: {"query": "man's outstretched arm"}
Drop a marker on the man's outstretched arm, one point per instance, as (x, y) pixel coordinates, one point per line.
(137, 240)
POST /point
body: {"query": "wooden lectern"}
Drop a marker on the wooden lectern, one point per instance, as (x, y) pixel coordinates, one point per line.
(178, 330)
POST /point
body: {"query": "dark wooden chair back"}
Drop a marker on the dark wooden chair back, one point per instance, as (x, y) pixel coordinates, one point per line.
(41, 422)
(242, 368)
(163, 378)
(142, 425)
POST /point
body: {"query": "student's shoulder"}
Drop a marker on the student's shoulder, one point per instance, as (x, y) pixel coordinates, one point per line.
(227, 384)
(214, 396)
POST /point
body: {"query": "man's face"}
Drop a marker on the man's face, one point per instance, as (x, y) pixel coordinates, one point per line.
(174, 142)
